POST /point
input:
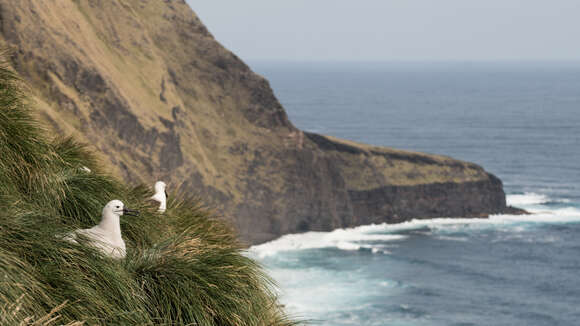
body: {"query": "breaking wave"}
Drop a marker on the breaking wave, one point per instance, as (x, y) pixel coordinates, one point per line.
(375, 237)
(531, 198)
(343, 239)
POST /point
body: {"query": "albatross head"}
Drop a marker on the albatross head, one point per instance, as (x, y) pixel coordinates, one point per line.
(160, 187)
(117, 208)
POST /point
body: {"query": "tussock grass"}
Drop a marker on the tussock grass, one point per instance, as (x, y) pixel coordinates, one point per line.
(184, 267)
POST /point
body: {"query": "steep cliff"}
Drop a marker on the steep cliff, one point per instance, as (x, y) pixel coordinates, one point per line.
(153, 91)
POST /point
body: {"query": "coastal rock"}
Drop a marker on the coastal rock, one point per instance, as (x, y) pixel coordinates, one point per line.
(146, 83)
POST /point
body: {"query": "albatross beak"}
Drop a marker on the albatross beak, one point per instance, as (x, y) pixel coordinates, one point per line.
(130, 212)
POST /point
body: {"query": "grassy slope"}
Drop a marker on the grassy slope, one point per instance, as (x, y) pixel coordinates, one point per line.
(182, 268)
(373, 166)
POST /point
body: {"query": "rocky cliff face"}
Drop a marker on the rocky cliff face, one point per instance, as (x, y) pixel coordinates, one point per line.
(153, 91)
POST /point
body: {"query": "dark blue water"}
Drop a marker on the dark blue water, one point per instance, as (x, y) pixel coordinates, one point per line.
(521, 122)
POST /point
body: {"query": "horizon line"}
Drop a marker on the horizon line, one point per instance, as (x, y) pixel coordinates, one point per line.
(411, 61)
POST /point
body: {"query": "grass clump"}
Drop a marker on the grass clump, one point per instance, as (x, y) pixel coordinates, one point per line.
(182, 268)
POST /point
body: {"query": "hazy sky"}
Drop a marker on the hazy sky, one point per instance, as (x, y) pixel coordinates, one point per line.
(377, 30)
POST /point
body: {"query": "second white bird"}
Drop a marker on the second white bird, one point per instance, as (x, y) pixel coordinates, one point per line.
(160, 196)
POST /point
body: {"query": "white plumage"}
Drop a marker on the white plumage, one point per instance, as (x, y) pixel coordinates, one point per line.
(160, 196)
(106, 236)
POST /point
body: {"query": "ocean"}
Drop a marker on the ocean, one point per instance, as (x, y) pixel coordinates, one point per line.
(521, 122)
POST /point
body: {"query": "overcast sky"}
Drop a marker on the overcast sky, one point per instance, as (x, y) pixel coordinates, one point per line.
(387, 30)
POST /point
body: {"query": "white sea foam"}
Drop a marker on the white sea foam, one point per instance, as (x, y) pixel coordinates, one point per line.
(345, 245)
(531, 199)
(458, 239)
(373, 237)
(528, 198)
(343, 239)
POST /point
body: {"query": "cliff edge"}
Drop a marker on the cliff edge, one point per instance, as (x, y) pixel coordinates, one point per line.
(150, 88)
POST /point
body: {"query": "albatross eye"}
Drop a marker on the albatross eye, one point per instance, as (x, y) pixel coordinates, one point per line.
(118, 206)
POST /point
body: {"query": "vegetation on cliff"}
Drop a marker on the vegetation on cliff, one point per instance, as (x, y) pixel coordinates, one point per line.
(182, 268)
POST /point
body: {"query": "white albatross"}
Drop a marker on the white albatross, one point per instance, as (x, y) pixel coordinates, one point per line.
(160, 196)
(106, 236)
